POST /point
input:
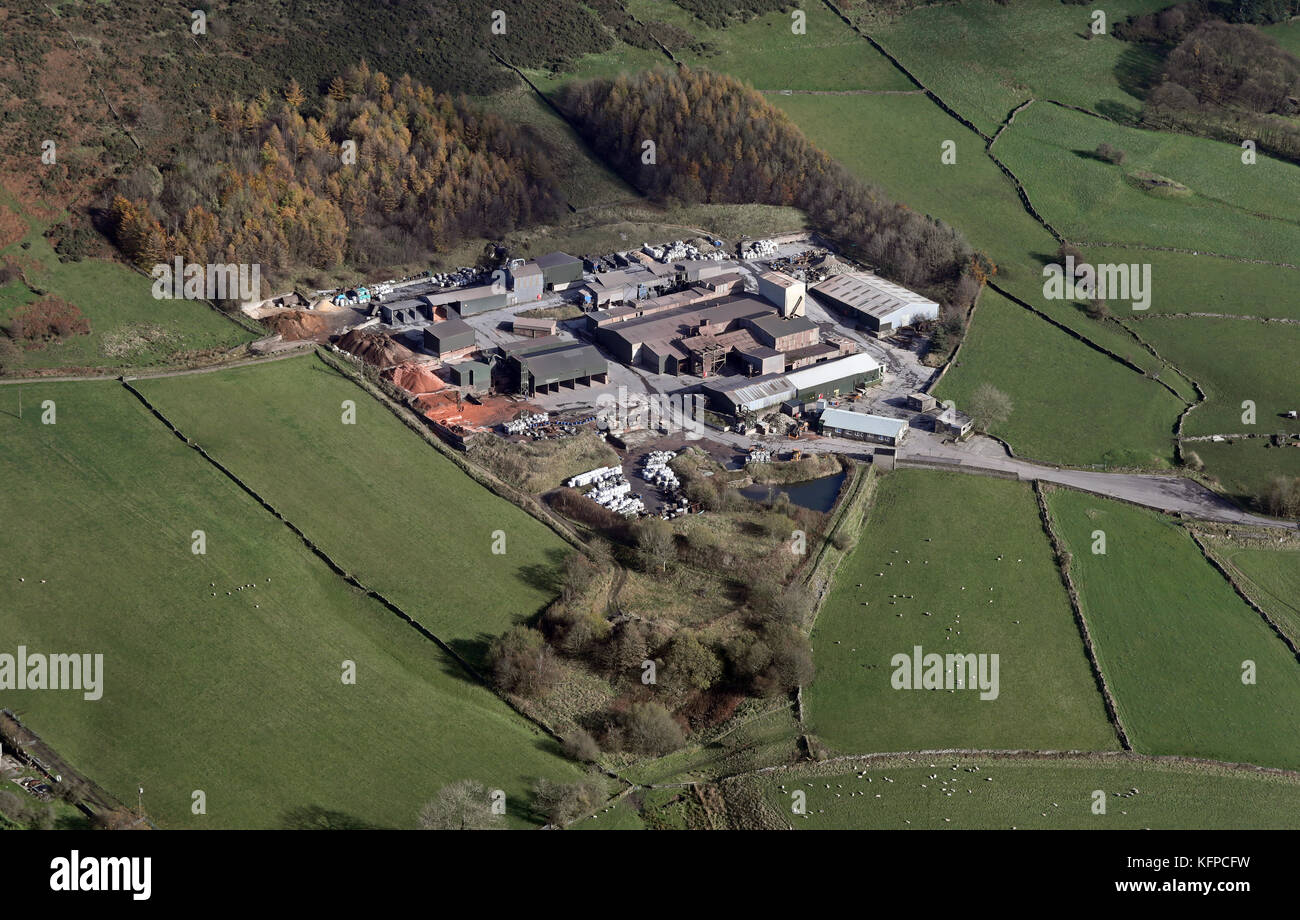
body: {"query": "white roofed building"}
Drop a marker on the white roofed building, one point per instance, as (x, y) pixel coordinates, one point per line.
(880, 305)
(841, 423)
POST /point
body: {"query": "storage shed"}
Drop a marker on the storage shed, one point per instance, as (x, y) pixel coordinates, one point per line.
(450, 337)
(841, 423)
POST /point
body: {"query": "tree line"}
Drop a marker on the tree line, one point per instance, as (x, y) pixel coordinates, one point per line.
(697, 136)
(384, 173)
(1222, 77)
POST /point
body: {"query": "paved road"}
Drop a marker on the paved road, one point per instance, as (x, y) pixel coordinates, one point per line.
(1167, 493)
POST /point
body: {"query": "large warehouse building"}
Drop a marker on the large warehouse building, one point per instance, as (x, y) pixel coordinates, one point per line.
(880, 305)
(734, 395)
(835, 378)
(546, 364)
(697, 331)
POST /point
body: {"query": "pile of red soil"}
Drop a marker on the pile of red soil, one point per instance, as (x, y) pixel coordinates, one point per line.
(297, 325)
(375, 348)
(415, 378)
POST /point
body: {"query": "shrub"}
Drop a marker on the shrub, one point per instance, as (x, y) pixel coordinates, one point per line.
(579, 745)
(563, 802)
(523, 663)
(648, 728)
(48, 319)
(1110, 153)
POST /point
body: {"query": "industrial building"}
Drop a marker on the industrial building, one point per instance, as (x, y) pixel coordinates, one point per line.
(737, 395)
(783, 334)
(465, 301)
(951, 422)
(841, 423)
(880, 305)
(653, 336)
(449, 339)
(559, 269)
(544, 365)
(698, 331)
(734, 395)
(526, 282)
(921, 402)
(533, 328)
(403, 312)
(835, 378)
(786, 293)
(620, 286)
(472, 375)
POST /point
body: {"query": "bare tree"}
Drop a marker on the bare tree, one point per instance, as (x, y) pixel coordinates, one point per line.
(564, 802)
(988, 407)
(654, 544)
(464, 805)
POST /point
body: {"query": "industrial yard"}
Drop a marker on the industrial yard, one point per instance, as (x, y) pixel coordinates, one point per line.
(748, 344)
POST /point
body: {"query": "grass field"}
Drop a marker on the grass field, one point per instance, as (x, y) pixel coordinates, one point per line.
(1233, 360)
(1032, 794)
(1245, 467)
(585, 181)
(895, 141)
(128, 327)
(768, 55)
(1251, 212)
(239, 695)
(1070, 404)
(382, 503)
(1286, 34)
(1171, 637)
(1184, 283)
(1272, 578)
(937, 537)
(996, 57)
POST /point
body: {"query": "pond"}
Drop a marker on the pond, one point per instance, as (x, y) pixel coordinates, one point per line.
(817, 494)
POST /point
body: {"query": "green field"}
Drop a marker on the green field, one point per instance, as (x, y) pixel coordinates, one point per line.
(239, 695)
(895, 142)
(1286, 34)
(585, 181)
(1171, 637)
(1184, 283)
(620, 816)
(768, 55)
(1032, 795)
(382, 503)
(1245, 467)
(1250, 212)
(937, 537)
(1071, 404)
(128, 327)
(1272, 578)
(1233, 360)
(995, 57)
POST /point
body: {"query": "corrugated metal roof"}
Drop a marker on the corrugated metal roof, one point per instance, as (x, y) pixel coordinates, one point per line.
(861, 363)
(867, 424)
(758, 392)
(870, 294)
